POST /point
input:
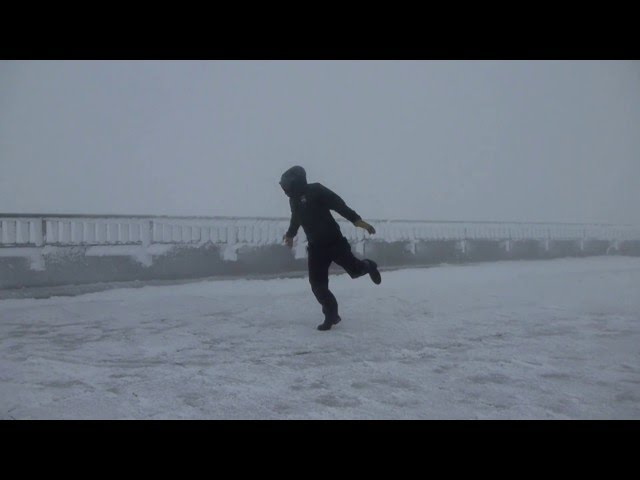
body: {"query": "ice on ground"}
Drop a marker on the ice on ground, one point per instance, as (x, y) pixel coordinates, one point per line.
(555, 339)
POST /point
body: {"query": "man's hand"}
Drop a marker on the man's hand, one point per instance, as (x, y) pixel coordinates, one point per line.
(362, 224)
(288, 241)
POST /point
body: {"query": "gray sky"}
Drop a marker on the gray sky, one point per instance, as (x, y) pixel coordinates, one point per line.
(442, 140)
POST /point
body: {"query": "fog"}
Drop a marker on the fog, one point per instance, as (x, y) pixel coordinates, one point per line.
(441, 140)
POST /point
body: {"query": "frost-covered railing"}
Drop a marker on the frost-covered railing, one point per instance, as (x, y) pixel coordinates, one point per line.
(397, 230)
(58, 249)
(70, 230)
(17, 231)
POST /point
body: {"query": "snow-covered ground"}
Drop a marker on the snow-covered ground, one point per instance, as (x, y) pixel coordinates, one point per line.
(542, 339)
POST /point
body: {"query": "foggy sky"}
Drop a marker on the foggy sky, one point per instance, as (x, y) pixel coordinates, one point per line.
(439, 140)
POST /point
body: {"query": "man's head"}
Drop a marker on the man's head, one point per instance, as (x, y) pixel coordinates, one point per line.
(294, 181)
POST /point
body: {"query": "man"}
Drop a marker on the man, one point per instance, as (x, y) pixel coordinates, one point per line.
(310, 208)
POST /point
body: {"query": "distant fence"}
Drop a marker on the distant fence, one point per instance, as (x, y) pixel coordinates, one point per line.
(58, 249)
(68, 230)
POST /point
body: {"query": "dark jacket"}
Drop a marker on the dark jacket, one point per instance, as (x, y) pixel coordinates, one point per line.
(311, 209)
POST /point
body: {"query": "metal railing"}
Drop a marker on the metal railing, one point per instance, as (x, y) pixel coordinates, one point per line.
(91, 230)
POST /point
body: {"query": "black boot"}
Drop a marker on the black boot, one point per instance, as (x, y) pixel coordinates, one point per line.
(372, 270)
(328, 323)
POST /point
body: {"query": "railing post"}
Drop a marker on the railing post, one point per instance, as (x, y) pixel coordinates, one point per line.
(464, 242)
(22, 231)
(11, 231)
(66, 232)
(146, 229)
(39, 232)
(547, 240)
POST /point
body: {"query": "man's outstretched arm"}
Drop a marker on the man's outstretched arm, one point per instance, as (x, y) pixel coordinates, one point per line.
(294, 225)
(336, 203)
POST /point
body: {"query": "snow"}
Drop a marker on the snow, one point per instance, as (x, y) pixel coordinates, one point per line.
(556, 339)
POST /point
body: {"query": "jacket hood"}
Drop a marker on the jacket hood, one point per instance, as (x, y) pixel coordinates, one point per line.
(294, 181)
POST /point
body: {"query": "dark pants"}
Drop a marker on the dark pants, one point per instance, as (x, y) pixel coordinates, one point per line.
(320, 258)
